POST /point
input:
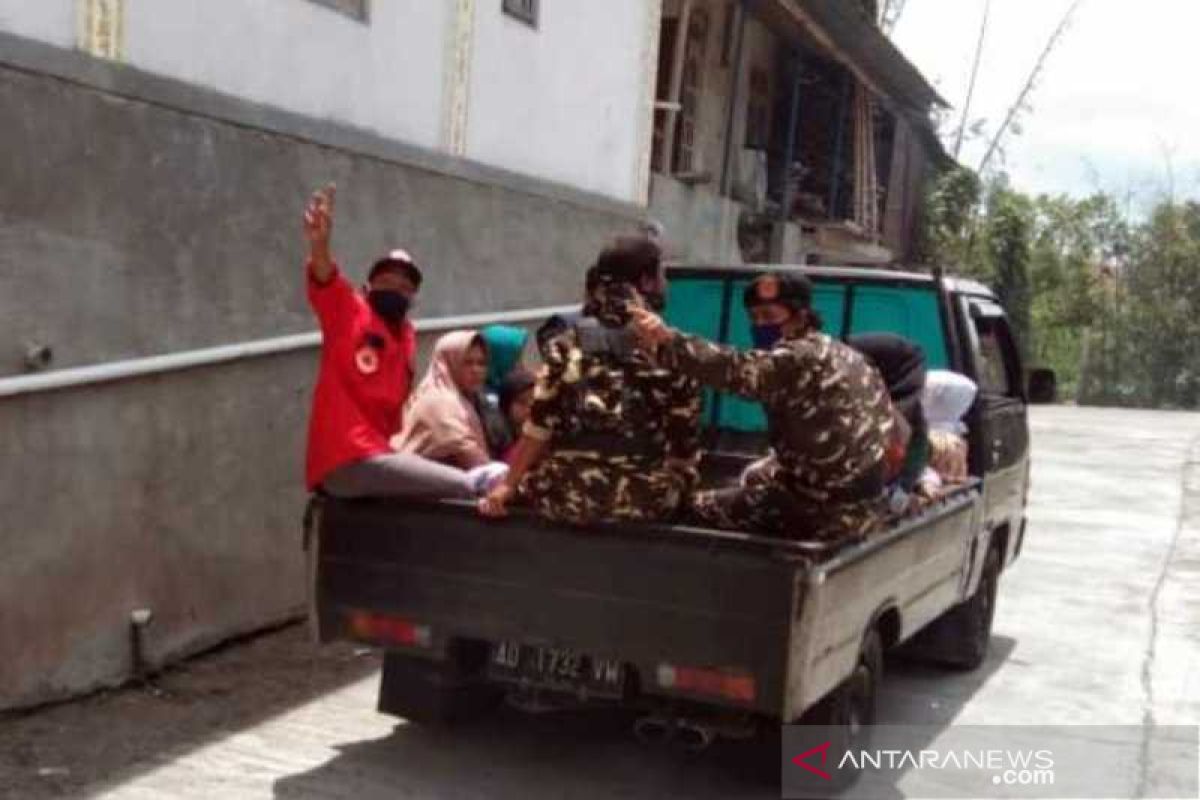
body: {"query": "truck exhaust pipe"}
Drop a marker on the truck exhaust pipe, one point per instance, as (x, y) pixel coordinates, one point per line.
(653, 730)
(695, 738)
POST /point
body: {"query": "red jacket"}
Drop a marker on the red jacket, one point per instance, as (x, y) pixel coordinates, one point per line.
(363, 383)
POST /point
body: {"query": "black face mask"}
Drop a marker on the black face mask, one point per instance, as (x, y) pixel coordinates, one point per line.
(389, 304)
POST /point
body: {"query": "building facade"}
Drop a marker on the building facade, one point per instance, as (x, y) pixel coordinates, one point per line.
(156, 352)
(793, 128)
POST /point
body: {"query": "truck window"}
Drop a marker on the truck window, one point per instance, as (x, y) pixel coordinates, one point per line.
(911, 312)
(695, 305)
(711, 306)
(997, 370)
(829, 300)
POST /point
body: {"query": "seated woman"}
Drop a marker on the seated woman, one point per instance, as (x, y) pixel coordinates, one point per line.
(901, 364)
(516, 397)
(947, 398)
(505, 347)
(440, 422)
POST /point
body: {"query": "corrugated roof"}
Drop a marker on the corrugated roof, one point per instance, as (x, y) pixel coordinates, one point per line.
(843, 27)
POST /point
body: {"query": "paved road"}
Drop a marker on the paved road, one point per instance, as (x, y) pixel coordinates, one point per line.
(1098, 623)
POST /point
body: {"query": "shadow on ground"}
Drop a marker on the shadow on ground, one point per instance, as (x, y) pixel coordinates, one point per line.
(63, 750)
(585, 755)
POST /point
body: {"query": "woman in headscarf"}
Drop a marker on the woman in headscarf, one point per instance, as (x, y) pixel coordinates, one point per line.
(901, 363)
(505, 347)
(441, 422)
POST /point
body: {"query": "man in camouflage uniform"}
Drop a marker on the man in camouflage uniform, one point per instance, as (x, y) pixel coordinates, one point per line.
(611, 435)
(828, 417)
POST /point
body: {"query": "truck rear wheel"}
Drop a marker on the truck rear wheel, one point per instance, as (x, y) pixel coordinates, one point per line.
(968, 626)
(850, 708)
(434, 693)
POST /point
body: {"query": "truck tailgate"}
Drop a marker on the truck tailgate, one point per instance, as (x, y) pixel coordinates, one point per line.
(642, 594)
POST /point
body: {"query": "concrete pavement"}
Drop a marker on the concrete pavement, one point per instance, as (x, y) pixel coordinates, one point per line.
(1097, 623)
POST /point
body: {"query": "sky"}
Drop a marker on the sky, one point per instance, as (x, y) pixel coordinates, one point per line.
(1117, 108)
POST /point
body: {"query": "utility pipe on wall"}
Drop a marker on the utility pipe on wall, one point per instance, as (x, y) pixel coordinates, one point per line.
(171, 362)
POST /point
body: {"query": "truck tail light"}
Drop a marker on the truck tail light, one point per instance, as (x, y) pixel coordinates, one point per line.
(730, 684)
(385, 629)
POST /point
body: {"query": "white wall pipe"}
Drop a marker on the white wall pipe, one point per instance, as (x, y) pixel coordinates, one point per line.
(156, 365)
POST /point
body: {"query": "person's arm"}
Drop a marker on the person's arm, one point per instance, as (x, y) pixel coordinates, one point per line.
(331, 296)
(752, 374)
(527, 453)
(683, 421)
(318, 229)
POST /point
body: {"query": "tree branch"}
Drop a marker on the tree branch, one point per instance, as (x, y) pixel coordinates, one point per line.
(1051, 43)
(962, 125)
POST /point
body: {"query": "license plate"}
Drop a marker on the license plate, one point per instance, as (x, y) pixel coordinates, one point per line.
(558, 668)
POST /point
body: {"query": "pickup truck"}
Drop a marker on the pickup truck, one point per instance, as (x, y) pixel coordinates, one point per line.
(700, 633)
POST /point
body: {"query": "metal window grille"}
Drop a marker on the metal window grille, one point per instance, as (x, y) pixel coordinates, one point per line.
(758, 110)
(355, 9)
(524, 10)
(690, 94)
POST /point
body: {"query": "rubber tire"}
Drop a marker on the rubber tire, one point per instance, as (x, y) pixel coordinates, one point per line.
(850, 708)
(968, 626)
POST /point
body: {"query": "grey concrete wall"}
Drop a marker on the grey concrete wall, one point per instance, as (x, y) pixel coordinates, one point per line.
(701, 225)
(140, 217)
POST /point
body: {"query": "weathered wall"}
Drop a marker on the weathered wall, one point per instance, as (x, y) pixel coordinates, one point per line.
(456, 75)
(701, 226)
(52, 21)
(384, 74)
(562, 101)
(152, 230)
(151, 218)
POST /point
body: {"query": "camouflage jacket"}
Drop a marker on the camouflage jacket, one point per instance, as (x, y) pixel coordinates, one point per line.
(599, 397)
(828, 412)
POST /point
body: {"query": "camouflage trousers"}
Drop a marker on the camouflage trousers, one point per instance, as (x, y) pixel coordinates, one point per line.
(764, 504)
(581, 490)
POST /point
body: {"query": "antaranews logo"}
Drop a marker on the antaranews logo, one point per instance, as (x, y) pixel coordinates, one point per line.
(823, 751)
(991, 761)
(1008, 767)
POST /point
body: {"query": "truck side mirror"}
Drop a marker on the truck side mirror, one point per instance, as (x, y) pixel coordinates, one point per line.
(1043, 386)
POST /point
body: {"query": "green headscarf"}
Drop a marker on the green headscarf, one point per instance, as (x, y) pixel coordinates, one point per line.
(505, 345)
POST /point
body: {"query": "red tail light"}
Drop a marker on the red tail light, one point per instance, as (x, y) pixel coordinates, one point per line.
(730, 684)
(388, 630)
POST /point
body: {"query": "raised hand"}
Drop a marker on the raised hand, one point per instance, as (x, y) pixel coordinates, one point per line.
(318, 229)
(649, 327)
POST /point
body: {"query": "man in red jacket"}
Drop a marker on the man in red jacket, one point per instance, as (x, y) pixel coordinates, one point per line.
(365, 376)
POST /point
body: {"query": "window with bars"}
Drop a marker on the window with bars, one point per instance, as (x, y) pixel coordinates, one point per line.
(524, 10)
(355, 9)
(689, 97)
(758, 110)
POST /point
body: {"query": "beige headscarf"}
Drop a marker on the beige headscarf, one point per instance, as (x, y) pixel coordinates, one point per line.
(440, 422)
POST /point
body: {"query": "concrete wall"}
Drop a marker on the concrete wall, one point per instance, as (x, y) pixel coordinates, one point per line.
(384, 75)
(701, 226)
(141, 216)
(561, 101)
(50, 21)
